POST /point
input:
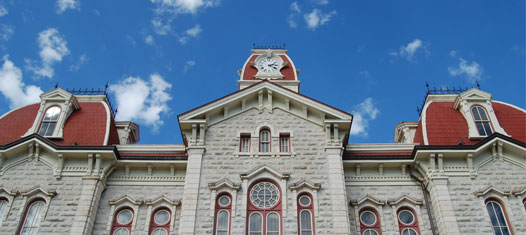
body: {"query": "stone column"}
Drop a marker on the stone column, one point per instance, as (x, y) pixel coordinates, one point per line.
(191, 190)
(336, 189)
(88, 204)
(442, 206)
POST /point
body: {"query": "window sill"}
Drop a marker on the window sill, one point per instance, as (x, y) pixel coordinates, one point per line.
(264, 154)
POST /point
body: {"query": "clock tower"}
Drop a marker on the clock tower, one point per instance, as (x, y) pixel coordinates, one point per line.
(269, 64)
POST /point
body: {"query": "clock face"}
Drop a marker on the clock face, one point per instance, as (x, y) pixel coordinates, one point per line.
(268, 65)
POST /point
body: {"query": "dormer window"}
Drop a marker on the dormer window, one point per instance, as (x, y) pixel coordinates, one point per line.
(481, 121)
(49, 122)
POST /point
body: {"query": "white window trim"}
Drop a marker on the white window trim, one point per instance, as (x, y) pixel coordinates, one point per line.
(407, 202)
(36, 193)
(262, 225)
(312, 219)
(279, 222)
(116, 205)
(222, 186)
(305, 186)
(368, 202)
(162, 202)
(501, 197)
(10, 196)
(217, 221)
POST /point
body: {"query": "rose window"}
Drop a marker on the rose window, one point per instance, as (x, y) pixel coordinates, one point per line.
(264, 195)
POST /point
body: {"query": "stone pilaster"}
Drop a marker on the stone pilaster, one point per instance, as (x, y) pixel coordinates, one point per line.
(191, 190)
(442, 206)
(87, 206)
(337, 190)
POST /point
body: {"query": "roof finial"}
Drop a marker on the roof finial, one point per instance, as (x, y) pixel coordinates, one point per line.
(56, 85)
(427, 86)
(478, 85)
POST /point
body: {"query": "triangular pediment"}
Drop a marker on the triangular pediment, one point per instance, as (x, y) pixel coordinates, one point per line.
(262, 169)
(473, 95)
(59, 95)
(265, 96)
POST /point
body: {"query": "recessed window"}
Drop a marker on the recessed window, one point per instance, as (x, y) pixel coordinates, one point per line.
(264, 141)
(369, 222)
(122, 222)
(481, 121)
(244, 144)
(264, 209)
(49, 122)
(407, 222)
(284, 143)
(32, 218)
(160, 223)
(222, 214)
(499, 220)
(305, 212)
(3, 208)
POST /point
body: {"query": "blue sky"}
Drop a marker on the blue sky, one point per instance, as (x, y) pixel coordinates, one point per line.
(164, 57)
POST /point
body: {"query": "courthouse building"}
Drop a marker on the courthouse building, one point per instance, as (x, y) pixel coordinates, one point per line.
(264, 159)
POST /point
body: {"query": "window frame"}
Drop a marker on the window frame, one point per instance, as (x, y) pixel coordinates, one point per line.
(219, 208)
(116, 225)
(154, 225)
(43, 121)
(268, 142)
(364, 227)
(26, 210)
(6, 208)
(277, 208)
(309, 208)
(413, 225)
(481, 121)
(241, 138)
(503, 211)
(287, 137)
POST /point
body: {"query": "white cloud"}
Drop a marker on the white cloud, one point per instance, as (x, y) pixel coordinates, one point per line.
(295, 11)
(189, 65)
(182, 6)
(142, 101)
(131, 40)
(3, 11)
(12, 87)
(161, 26)
(6, 31)
(63, 5)
(53, 47)
(363, 113)
(83, 59)
(317, 18)
(149, 39)
(322, 2)
(408, 52)
(471, 71)
(190, 33)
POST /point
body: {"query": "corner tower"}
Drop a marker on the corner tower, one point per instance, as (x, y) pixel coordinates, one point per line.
(271, 64)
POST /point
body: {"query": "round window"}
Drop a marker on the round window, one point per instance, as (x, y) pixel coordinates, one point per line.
(121, 231)
(368, 218)
(224, 201)
(125, 216)
(160, 231)
(264, 195)
(409, 231)
(304, 200)
(162, 217)
(370, 232)
(406, 217)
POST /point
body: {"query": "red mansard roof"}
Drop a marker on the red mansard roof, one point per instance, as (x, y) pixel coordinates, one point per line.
(447, 126)
(16, 123)
(86, 126)
(251, 71)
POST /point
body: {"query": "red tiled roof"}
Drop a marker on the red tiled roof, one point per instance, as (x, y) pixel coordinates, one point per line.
(512, 120)
(446, 125)
(15, 124)
(419, 136)
(114, 135)
(86, 126)
(251, 71)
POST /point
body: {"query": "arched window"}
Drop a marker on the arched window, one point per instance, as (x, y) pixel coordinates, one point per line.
(305, 214)
(498, 217)
(222, 214)
(32, 217)
(122, 222)
(407, 222)
(264, 209)
(369, 222)
(264, 140)
(3, 208)
(160, 222)
(481, 120)
(524, 203)
(49, 122)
